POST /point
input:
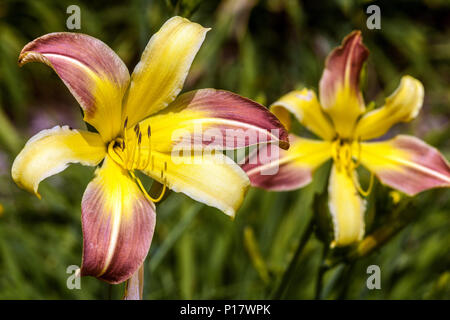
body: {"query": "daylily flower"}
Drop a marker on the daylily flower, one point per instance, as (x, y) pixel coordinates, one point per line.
(137, 119)
(340, 119)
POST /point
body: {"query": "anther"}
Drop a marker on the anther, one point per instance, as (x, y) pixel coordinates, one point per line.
(149, 136)
(125, 123)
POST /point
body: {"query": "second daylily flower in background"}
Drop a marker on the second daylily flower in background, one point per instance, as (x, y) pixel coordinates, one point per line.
(340, 119)
(137, 120)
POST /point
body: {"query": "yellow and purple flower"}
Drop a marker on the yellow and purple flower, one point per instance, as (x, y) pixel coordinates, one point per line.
(340, 119)
(137, 119)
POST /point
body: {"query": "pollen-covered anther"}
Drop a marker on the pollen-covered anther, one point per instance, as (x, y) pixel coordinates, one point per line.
(149, 151)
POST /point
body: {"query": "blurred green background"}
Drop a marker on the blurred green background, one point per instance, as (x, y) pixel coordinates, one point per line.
(259, 49)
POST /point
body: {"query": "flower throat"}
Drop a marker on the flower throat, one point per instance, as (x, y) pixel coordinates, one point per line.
(128, 153)
(346, 155)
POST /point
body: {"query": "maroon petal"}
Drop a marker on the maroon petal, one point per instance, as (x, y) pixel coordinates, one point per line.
(94, 74)
(118, 224)
(272, 168)
(215, 118)
(340, 95)
(407, 164)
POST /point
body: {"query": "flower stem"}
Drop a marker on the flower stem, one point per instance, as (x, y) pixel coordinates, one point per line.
(109, 290)
(345, 280)
(322, 269)
(134, 286)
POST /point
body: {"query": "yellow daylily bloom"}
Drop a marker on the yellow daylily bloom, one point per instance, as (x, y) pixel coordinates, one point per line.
(340, 119)
(140, 121)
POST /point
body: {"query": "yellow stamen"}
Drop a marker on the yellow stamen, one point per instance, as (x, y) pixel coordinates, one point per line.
(137, 130)
(335, 153)
(162, 193)
(138, 162)
(123, 152)
(343, 157)
(149, 137)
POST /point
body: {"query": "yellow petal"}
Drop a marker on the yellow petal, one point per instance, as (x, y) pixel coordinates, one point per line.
(212, 179)
(94, 74)
(165, 63)
(346, 207)
(306, 108)
(51, 151)
(402, 106)
(339, 90)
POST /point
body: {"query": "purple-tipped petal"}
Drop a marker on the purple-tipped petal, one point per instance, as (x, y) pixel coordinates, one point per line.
(94, 74)
(272, 168)
(339, 86)
(214, 118)
(407, 164)
(118, 224)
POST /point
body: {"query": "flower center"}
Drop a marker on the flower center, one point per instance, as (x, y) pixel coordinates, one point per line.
(343, 155)
(131, 154)
(346, 155)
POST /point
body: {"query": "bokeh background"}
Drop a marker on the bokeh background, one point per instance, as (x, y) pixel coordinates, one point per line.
(259, 49)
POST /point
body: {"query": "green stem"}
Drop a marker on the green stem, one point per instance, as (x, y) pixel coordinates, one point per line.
(346, 280)
(134, 287)
(322, 269)
(400, 217)
(280, 290)
(109, 291)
